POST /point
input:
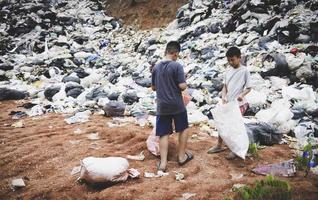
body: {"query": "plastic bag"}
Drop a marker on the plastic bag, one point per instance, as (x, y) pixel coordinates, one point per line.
(231, 128)
(263, 133)
(153, 143)
(110, 169)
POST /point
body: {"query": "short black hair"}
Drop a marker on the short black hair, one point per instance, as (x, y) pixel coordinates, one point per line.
(173, 47)
(233, 51)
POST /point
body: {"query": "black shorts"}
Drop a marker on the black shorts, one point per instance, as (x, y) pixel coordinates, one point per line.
(164, 123)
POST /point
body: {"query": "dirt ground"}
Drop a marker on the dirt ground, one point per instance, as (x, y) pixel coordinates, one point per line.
(144, 15)
(42, 154)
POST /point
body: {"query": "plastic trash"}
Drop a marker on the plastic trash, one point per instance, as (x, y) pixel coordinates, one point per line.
(17, 183)
(153, 143)
(263, 133)
(139, 157)
(79, 117)
(110, 169)
(10, 94)
(230, 125)
(286, 169)
(114, 108)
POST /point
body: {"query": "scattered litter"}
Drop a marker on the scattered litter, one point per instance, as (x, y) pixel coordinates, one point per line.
(17, 183)
(74, 142)
(179, 176)
(286, 169)
(153, 143)
(17, 114)
(186, 196)
(94, 146)
(237, 186)
(78, 131)
(139, 157)
(153, 175)
(93, 136)
(79, 117)
(19, 124)
(76, 170)
(236, 176)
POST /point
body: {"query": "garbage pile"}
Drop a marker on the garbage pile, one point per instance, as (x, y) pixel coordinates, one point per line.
(69, 57)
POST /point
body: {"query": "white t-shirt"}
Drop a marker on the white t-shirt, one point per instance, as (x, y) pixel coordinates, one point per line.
(236, 80)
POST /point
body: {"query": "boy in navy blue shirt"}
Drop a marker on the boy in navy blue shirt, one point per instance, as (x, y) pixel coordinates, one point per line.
(168, 80)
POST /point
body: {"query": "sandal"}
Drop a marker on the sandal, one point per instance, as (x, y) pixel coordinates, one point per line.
(160, 169)
(189, 157)
(215, 149)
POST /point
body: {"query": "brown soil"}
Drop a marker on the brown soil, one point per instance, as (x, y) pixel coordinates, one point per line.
(41, 154)
(144, 15)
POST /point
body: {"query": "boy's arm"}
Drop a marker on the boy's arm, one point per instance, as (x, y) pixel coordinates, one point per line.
(243, 94)
(181, 78)
(153, 81)
(224, 92)
(183, 86)
(248, 87)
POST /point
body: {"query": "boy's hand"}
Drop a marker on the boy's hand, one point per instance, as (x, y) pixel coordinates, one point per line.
(224, 100)
(240, 97)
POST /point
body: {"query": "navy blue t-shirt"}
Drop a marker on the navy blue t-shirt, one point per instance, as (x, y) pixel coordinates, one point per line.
(166, 77)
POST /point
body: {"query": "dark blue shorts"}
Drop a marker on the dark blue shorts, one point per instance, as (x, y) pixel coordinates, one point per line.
(164, 123)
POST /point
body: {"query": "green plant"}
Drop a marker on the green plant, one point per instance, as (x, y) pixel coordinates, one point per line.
(227, 198)
(253, 150)
(303, 162)
(269, 188)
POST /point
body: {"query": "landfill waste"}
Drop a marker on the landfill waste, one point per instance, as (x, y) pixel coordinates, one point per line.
(179, 176)
(139, 157)
(76, 170)
(109, 169)
(19, 124)
(17, 183)
(263, 134)
(93, 136)
(153, 175)
(286, 169)
(186, 196)
(71, 57)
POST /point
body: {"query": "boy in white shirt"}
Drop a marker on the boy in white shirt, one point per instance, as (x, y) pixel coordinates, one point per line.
(236, 86)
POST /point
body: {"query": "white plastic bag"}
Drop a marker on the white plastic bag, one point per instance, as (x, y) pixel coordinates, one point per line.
(229, 123)
(153, 143)
(110, 169)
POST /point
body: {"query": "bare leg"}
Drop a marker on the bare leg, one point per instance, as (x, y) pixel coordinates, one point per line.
(219, 141)
(183, 139)
(217, 148)
(163, 145)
